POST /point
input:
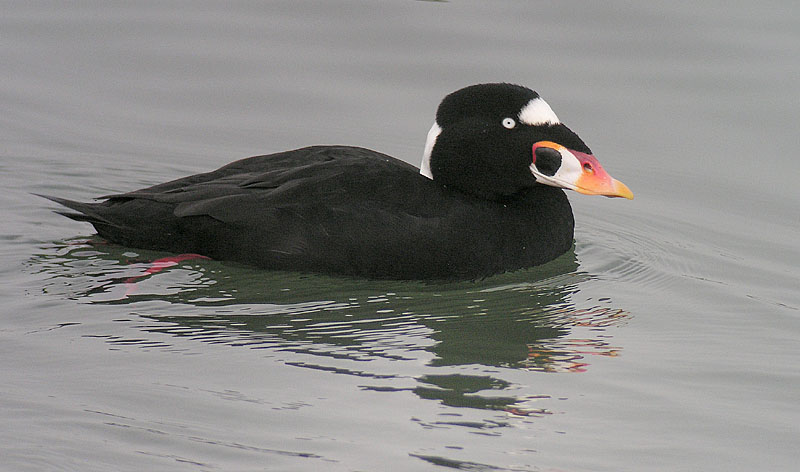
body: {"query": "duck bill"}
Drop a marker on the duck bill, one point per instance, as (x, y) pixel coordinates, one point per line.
(557, 166)
(594, 180)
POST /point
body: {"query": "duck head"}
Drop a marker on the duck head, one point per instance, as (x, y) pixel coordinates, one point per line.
(494, 140)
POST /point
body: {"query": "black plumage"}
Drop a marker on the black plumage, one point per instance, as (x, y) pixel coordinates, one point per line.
(353, 211)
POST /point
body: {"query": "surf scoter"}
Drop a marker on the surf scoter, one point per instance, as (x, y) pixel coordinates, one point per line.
(487, 199)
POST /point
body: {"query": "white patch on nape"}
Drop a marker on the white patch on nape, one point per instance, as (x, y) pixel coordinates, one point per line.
(425, 166)
(538, 112)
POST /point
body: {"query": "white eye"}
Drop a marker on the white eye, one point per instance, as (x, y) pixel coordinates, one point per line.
(509, 123)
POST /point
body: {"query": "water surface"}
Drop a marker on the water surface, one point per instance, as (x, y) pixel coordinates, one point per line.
(666, 340)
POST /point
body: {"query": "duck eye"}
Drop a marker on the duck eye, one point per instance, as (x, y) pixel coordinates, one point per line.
(509, 123)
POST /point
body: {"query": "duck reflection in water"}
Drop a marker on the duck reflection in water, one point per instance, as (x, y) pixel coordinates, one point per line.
(522, 320)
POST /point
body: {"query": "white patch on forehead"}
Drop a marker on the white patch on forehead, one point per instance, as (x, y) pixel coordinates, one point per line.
(425, 166)
(538, 112)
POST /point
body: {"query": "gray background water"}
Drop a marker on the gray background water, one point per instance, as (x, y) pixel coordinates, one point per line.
(667, 341)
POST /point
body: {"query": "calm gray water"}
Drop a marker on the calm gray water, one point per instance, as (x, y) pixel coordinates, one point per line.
(668, 340)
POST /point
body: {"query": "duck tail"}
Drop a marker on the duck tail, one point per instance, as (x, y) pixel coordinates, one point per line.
(82, 211)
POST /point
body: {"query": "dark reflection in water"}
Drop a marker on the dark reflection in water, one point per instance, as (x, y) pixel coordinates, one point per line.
(524, 320)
